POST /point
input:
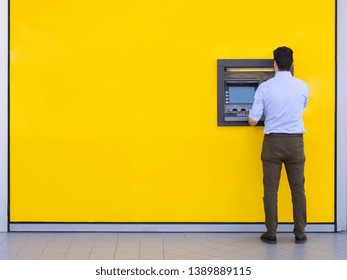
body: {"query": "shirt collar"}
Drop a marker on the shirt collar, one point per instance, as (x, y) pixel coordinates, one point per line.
(283, 74)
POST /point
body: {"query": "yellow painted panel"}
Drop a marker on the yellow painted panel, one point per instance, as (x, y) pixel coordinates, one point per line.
(113, 109)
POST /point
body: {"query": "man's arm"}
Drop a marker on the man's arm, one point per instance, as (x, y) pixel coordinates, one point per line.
(257, 108)
(251, 121)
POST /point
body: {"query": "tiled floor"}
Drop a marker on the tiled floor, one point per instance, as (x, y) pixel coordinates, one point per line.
(169, 246)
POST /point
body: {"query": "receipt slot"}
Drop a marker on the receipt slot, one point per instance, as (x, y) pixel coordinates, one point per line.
(237, 82)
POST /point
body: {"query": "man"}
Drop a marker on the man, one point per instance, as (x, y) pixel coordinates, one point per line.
(282, 99)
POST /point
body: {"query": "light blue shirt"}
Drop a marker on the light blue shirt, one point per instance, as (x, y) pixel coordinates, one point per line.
(282, 99)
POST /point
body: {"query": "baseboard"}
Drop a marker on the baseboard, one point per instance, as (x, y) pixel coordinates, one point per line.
(159, 227)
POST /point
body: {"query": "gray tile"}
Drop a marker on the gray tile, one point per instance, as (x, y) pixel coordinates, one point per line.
(111, 236)
(32, 249)
(132, 250)
(81, 243)
(13, 242)
(7, 255)
(35, 244)
(56, 249)
(168, 256)
(105, 243)
(233, 256)
(28, 256)
(232, 248)
(180, 252)
(76, 256)
(126, 256)
(129, 236)
(82, 246)
(78, 249)
(151, 244)
(194, 248)
(101, 256)
(103, 249)
(3, 237)
(60, 239)
(128, 244)
(151, 256)
(52, 256)
(152, 236)
(199, 257)
(154, 250)
(40, 237)
(12, 248)
(212, 252)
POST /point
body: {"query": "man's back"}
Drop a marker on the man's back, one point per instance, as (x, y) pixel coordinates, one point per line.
(282, 100)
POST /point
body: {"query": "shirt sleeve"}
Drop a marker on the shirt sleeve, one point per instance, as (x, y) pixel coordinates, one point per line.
(258, 105)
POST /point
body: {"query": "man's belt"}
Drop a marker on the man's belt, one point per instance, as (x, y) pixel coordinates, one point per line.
(284, 134)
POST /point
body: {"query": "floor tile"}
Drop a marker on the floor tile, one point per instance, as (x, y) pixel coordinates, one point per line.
(127, 246)
(128, 249)
(53, 256)
(32, 249)
(79, 249)
(76, 256)
(28, 256)
(8, 255)
(126, 256)
(56, 249)
(151, 256)
(101, 256)
(103, 249)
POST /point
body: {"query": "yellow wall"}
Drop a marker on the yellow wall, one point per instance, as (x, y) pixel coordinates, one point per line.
(113, 109)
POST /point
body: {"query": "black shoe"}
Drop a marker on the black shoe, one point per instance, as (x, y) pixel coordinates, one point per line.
(268, 238)
(300, 239)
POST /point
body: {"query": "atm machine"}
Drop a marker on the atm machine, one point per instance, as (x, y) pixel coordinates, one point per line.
(237, 81)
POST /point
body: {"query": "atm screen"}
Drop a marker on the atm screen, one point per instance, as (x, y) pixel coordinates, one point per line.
(241, 94)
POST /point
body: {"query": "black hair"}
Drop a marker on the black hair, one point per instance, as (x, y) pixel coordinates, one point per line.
(284, 58)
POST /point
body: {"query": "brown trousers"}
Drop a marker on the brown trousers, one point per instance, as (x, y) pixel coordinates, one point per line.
(287, 149)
